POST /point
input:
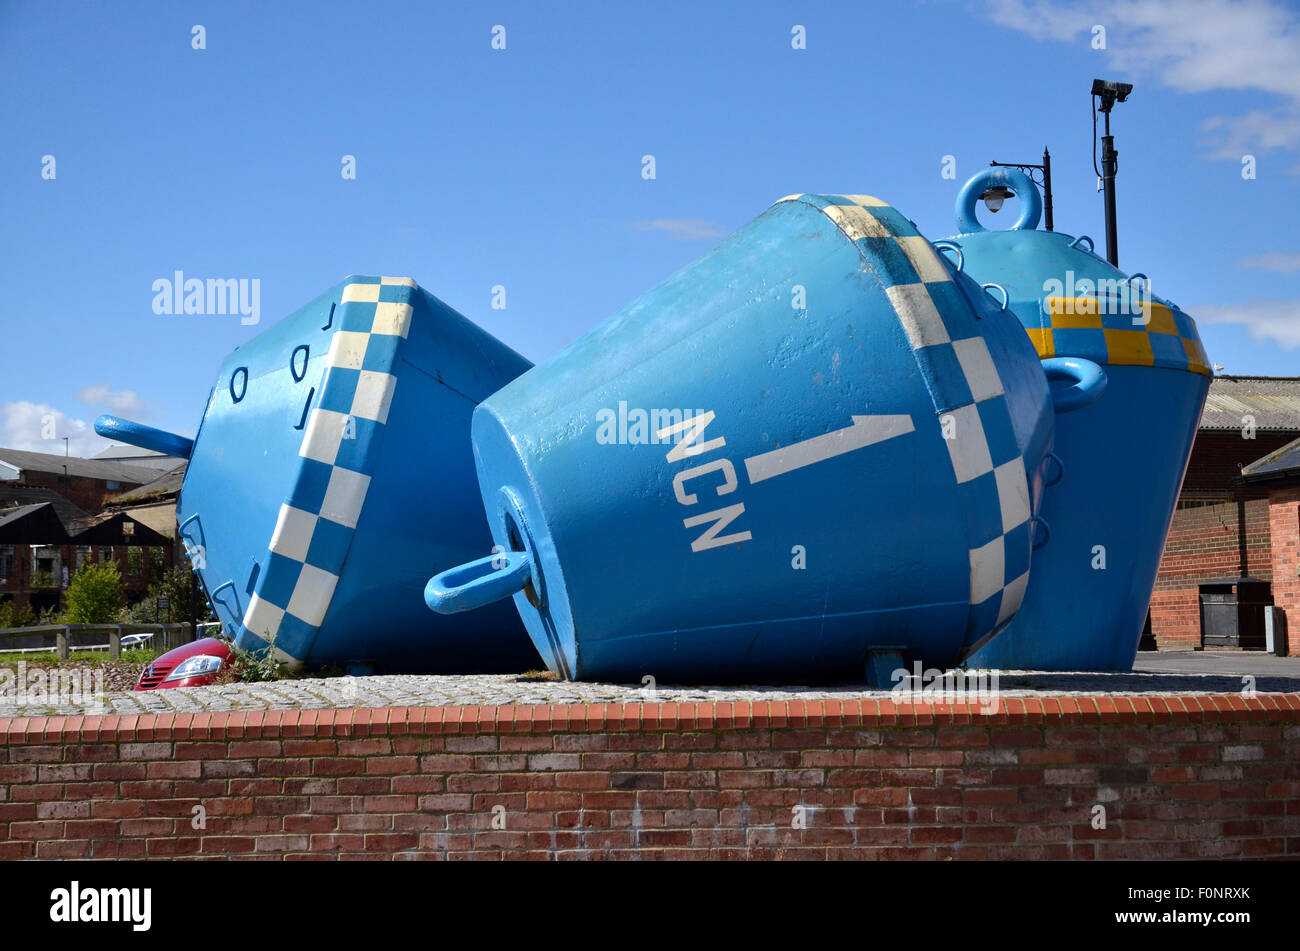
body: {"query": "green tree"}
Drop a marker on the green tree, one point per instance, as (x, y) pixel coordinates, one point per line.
(94, 596)
(175, 587)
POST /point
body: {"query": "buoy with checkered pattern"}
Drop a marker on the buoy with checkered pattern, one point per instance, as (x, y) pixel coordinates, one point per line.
(332, 471)
(818, 446)
(1123, 455)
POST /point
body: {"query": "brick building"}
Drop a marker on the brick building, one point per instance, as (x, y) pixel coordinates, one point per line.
(1279, 474)
(1224, 526)
(86, 483)
(50, 526)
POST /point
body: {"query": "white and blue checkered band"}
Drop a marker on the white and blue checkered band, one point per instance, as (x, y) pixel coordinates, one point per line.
(969, 400)
(339, 445)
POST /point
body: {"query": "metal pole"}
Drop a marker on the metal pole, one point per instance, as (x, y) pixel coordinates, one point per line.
(194, 605)
(1109, 166)
(1047, 188)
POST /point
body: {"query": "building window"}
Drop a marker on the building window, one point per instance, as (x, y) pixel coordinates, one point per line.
(83, 555)
(113, 485)
(1196, 502)
(6, 560)
(46, 567)
(105, 554)
(134, 561)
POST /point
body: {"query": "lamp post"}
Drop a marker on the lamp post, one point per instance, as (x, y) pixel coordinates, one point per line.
(1110, 93)
(994, 196)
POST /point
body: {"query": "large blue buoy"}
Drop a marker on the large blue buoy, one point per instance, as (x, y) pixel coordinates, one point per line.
(816, 446)
(1123, 457)
(332, 472)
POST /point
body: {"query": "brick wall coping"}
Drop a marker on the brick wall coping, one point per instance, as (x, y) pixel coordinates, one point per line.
(620, 717)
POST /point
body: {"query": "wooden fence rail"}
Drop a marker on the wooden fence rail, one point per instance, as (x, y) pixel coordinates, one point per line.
(167, 636)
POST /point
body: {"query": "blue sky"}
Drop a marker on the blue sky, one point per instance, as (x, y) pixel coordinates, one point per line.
(522, 167)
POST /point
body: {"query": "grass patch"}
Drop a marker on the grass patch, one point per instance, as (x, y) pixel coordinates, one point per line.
(77, 658)
(533, 676)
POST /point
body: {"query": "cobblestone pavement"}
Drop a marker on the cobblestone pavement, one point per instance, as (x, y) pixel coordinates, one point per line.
(1190, 673)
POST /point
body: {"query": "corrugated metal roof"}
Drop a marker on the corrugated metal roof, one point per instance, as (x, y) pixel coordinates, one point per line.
(1282, 463)
(76, 466)
(1274, 402)
(17, 494)
(107, 528)
(166, 485)
(37, 524)
(135, 456)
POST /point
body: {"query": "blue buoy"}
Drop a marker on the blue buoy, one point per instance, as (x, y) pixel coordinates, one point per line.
(332, 471)
(1123, 456)
(817, 445)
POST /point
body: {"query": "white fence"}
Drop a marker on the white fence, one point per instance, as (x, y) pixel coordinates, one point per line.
(160, 636)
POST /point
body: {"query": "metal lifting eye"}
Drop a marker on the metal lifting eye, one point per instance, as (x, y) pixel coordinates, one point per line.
(298, 374)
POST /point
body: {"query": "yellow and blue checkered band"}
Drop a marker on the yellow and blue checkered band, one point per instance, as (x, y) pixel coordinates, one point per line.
(1102, 330)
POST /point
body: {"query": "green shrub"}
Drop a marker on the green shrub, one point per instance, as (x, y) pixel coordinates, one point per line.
(94, 595)
(11, 616)
(174, 585)
(252, 667)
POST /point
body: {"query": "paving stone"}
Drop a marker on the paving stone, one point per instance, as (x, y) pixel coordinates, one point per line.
(1220, 675)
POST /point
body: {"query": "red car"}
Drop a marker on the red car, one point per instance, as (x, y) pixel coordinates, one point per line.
(190, 665)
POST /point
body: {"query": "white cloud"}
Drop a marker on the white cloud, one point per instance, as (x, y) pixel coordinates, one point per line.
(1283, 262)
(1192, 46)
(38, 427)
(124, 402)
(1276, 320)
(683, 229)
(1231, 137)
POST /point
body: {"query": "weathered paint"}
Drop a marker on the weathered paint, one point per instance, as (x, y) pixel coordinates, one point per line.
(332, 468)
(1123, 456)
(814, 513)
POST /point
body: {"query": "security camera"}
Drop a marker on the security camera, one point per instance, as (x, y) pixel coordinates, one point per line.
(1110, 92)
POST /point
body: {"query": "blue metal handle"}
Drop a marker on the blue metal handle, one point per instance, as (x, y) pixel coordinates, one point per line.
(478, 583)
(1036, 523)
(991, 286)
(1059, 473)
(1087, 379)
(146, 437)
(1031, 202)
(951, 246)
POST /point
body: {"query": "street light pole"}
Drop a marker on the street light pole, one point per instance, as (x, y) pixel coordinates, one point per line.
(1109, 166)
(1110, 93)
(1046, 169)
(1047, 188)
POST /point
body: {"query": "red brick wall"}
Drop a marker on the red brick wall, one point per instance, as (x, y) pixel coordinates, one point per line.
(1177, 777)
(1205, 543)
(87, 494)
(1284, 518)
